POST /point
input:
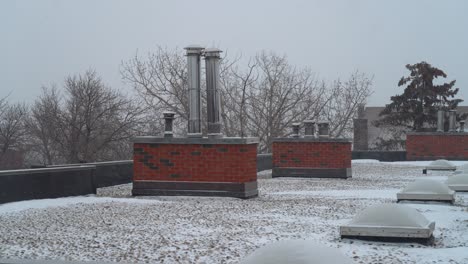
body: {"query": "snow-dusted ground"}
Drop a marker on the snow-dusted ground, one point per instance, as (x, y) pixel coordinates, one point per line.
(115, 227)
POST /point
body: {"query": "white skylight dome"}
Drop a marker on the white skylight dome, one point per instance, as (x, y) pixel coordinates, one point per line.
(458, 171)
(389, 221)
(458, 182)
(296, 252)
(463, 167)
(390, 215)
(427, 190)
(441, 164)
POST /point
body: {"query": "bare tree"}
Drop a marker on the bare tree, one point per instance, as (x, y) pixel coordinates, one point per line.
(272, 94)
(345, 98)
(43, 126)
(160, 79)
(262, 99)
(92, 122)
(235, 85)
(12, 133)
(281, 96)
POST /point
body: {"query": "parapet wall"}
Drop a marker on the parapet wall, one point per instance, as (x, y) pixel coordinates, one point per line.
(264, 161)
(19, 185)
(108, 173)
(436, 145)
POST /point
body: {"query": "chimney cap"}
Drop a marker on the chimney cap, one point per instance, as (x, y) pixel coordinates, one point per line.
(168, 114)
(212, 52)
(194, 49)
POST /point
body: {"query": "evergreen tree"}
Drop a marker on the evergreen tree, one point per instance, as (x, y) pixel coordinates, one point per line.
(417, 107)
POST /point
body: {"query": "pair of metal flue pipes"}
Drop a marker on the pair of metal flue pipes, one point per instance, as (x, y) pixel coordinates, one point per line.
(452, 121)
(212, 60)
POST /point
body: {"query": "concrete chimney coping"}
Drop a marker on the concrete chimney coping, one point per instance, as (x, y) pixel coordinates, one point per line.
(200, 140)
(311, 139)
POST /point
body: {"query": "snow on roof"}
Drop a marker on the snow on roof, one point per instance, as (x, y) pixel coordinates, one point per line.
(15, 207)
(441, 164)
(390, 215)
(296, 252)
(427, 186)
(458, 182)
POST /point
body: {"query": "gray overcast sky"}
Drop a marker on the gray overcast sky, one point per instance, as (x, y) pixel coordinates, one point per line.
(42, 41)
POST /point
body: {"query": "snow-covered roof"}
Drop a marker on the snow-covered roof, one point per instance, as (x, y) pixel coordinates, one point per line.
(296, 252)
(441, 164)
(458, 182)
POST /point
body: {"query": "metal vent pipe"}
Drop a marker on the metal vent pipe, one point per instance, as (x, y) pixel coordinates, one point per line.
(452, 121)
(462, 126)
(212, 59)
(361, 111)
(193, 71)
(309, 128)
(295, 129)
(168, 120)
(324, 129)
(440, 120)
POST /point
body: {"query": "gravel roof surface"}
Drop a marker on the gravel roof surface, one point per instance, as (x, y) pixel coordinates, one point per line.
(225, 230)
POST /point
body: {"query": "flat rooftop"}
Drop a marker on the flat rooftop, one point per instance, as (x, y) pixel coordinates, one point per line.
(113, 226)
